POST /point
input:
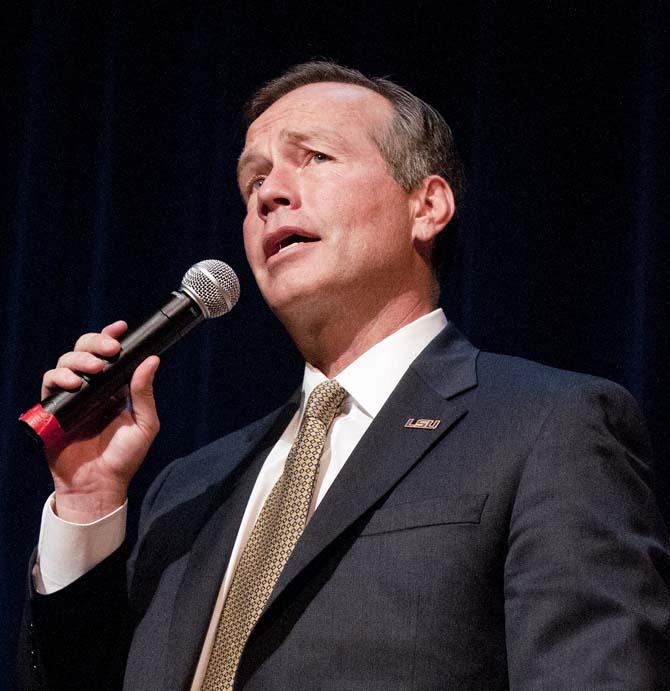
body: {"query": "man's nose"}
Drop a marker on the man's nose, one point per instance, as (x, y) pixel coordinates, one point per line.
(276, 191)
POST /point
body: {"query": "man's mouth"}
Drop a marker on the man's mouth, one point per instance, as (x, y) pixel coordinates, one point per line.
(293, 239)
(285, 238)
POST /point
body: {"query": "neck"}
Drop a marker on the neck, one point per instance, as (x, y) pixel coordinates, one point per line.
(332, 337)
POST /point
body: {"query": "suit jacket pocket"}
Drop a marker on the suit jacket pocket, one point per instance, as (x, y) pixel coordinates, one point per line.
(464, 508)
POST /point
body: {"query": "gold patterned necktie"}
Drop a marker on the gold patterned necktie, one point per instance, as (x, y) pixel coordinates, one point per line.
(273, 538)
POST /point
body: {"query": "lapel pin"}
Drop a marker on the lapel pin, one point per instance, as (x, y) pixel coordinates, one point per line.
(422, 423)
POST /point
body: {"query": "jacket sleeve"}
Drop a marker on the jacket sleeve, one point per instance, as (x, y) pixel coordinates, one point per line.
(587, 573)
(78, 637)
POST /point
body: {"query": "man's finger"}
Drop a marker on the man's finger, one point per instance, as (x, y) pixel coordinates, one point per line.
(115, 329)
(81, 362)
(100, 344)
(59, 378)
(142, 396)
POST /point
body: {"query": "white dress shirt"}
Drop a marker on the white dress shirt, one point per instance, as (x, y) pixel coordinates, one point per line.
(66, 551)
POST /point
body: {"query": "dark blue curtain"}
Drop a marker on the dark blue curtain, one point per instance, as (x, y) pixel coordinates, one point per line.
(122, 131)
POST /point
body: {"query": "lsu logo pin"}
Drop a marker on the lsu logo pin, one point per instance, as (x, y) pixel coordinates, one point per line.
(422, 423)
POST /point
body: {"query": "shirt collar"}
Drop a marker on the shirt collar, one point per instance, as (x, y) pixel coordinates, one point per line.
(370, 379)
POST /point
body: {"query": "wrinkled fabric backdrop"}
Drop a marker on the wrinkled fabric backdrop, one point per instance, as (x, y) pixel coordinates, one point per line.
(122, 130)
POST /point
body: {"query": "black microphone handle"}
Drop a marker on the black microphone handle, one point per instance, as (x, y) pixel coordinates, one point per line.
(154, 336)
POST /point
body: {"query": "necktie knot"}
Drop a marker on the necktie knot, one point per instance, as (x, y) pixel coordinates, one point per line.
(324, 401)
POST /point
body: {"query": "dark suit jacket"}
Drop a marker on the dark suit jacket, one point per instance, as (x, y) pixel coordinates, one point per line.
(517, 545)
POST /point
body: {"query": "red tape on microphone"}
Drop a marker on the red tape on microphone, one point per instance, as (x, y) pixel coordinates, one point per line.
(44, 424)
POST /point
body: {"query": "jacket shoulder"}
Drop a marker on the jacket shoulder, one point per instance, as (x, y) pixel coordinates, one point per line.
(518, 377)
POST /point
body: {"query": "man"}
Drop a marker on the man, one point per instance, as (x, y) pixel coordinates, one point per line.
(472, 521)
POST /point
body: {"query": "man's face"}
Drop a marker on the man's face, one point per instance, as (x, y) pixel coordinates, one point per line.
(325, 220)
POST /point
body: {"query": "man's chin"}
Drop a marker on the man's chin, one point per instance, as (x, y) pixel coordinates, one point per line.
(286, 287)
(302, 301)
(287, 300)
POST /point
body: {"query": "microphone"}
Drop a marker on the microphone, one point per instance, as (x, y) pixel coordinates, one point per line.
(209, 289)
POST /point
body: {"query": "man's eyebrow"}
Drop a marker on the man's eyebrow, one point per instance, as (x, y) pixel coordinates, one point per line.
(246, 157)
(329, 136)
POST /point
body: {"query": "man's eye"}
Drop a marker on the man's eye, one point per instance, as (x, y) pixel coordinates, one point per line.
(255, 183)
(319, 157)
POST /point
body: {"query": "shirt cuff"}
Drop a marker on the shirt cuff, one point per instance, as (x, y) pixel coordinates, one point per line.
(66, 551)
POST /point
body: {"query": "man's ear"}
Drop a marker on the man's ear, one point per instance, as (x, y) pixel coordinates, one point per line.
(435, 207)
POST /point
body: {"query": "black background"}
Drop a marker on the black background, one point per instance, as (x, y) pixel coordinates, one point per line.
(121, 123)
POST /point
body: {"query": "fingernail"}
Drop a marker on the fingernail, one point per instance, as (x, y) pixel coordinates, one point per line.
(108, 342)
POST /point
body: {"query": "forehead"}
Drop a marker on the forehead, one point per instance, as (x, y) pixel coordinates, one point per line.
(326, 105)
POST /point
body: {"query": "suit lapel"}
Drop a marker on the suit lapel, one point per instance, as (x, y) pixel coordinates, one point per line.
(209, 557)
(388, 450)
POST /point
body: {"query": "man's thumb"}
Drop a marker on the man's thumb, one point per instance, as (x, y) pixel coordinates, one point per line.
(142, 395)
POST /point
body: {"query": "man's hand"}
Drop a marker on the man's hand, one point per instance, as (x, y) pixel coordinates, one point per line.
(93, 467)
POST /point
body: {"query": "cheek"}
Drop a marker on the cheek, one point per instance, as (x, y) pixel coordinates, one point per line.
(254, 254)
(362, 204)
(245, 241)
(385, 224)
(250, 238)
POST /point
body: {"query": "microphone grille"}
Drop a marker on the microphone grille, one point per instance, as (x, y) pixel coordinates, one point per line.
(214, 286)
